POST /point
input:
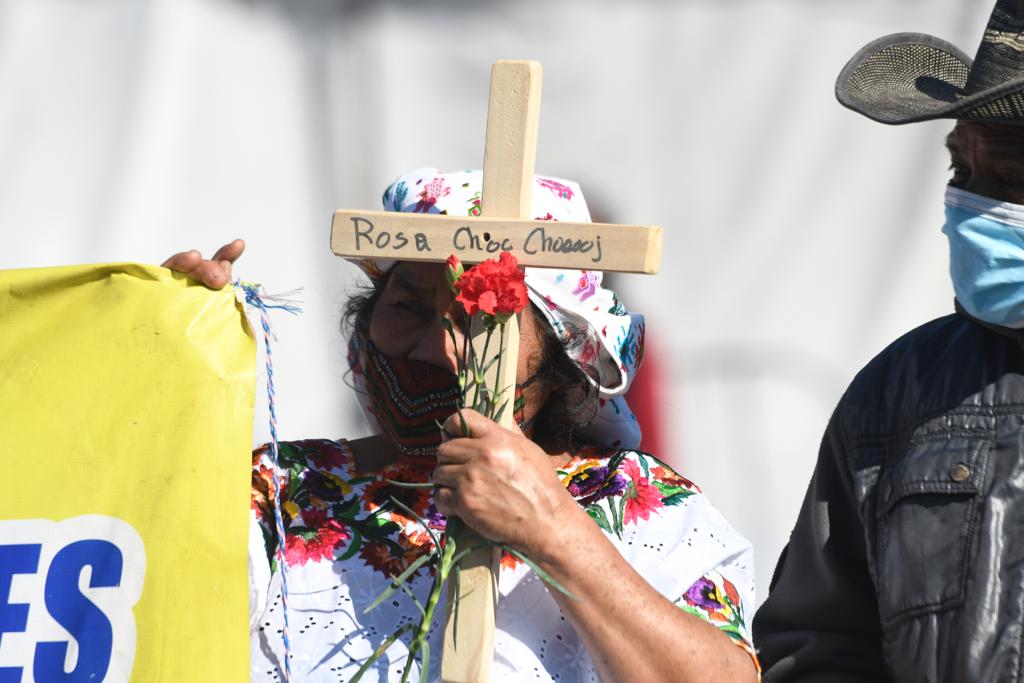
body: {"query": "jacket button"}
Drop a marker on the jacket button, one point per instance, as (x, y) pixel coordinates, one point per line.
(960, 472)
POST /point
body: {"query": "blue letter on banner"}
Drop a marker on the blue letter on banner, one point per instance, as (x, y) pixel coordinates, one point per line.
(76, 613)
(14, 559)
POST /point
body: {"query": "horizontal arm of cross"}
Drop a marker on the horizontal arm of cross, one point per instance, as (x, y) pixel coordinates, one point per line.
(551, 244)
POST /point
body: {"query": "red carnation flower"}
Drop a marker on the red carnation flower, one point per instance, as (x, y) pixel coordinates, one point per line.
(495, 288)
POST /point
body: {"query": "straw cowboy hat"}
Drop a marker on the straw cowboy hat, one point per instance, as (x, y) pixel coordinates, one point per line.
(910, 77)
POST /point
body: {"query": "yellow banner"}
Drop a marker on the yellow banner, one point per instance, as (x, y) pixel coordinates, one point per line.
(126, 399)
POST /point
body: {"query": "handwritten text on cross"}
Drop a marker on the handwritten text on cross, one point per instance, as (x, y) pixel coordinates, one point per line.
(430, 237)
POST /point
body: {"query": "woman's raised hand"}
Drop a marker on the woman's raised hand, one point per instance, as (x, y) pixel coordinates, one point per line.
(214, 272)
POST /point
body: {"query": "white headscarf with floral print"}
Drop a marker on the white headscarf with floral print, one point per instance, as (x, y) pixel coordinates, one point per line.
(595, 328)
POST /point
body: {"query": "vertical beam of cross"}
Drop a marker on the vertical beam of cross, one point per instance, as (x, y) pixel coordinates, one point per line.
(513, 116)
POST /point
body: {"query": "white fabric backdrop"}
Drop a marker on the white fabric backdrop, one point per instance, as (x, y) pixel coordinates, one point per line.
(800, 238)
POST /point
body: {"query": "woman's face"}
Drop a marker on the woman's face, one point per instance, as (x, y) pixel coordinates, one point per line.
(988, 160)
(406, 323)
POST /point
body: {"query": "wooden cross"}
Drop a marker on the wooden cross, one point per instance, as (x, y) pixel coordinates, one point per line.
(505, 224)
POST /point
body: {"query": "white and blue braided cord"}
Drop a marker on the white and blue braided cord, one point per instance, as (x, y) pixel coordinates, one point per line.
(256, 300)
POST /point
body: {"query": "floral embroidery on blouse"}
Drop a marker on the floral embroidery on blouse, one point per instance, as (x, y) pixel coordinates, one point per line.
(715, 599)
(334, 513)
(617, 491)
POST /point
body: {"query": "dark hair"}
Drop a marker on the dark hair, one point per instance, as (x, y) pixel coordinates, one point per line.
(571, 403)
(355, 316)
(572, 398)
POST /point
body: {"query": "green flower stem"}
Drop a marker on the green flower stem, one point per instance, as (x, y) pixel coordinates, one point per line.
(492, 414)
(464, 365)
(478, 378)
(419, 640)
(379, 652)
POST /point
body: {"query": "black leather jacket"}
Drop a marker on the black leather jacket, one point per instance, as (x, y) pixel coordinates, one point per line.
(907, 559)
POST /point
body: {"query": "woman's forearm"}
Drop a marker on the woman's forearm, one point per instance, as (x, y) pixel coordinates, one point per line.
(631, 631)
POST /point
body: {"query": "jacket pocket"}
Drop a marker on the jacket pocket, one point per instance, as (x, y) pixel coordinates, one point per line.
(929, 504)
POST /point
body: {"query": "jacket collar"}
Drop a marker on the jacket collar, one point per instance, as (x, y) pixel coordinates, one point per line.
(1015, 334)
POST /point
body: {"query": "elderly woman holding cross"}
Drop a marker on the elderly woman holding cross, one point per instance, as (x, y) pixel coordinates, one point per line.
(663, 585)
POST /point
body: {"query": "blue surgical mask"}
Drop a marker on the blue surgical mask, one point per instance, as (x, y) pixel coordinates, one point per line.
(986, 256)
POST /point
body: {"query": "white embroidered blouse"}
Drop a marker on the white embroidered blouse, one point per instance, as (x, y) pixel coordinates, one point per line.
(345, 539)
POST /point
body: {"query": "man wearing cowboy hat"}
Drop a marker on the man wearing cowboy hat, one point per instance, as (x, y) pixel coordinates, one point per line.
(907, 559)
